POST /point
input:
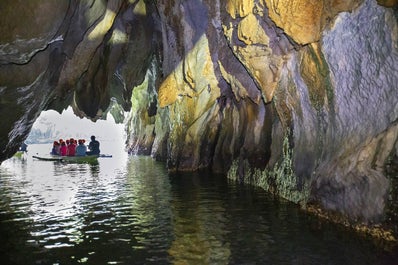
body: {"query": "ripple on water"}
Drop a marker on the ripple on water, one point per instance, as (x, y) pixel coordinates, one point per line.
(54, 213)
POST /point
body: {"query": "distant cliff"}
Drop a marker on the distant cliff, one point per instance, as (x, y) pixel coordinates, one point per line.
(298, 97)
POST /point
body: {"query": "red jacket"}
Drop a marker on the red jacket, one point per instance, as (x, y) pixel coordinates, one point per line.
(63, 150)
(71, 150)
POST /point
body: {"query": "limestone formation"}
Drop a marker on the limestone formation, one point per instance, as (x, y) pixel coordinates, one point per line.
(299, 97)
(68, 53)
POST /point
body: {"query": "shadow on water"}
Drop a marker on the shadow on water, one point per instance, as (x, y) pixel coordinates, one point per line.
(219, 222)
(392, 209)
(133, 212)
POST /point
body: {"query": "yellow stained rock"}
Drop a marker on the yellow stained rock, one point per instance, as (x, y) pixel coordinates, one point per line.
(251, 32)
(193, 78)
(300, 19)
(387, 3)
(103, 26)
(239, 8)
(140, 8)
(264, 68)
(168, 91)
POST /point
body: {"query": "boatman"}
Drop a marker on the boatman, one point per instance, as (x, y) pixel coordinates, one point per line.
(94, 147)
(23, 147)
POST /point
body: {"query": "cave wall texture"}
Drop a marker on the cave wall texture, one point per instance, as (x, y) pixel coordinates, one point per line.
(298, 97)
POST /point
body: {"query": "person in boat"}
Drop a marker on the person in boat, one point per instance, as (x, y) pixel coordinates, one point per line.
(23, 147)
(67, 141)
(63, 150)
(71, 147)
(55, 149)
(81, 148)
(94, 147)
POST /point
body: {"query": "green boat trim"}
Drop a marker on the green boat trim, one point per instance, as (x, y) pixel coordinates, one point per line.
(20, 154)
(90, 159)
(59, 159)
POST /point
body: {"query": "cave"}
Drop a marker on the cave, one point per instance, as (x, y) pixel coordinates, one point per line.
(297, 97)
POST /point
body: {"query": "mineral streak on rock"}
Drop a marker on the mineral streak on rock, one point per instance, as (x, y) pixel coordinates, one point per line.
(258, 88)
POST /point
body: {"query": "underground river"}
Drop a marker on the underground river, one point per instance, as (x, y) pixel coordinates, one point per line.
(129, 210)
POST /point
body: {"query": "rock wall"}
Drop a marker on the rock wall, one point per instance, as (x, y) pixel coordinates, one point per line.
(299, 97)
(361, 50)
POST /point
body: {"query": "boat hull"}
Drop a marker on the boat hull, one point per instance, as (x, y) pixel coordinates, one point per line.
(91, 159)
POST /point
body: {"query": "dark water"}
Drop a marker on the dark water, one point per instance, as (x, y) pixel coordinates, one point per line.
(392, 200)
(130, 211)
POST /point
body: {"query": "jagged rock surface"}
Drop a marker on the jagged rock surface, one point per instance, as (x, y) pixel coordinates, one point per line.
(264, 85)
(296, 96)
(68, 53)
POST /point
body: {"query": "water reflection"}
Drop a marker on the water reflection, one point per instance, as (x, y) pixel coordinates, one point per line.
(131, 212)
(199, 223)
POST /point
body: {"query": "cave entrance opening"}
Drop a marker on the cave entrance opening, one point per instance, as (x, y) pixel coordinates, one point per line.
(52, 126)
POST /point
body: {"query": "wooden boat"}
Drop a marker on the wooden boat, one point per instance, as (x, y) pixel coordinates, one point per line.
(90, 159)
